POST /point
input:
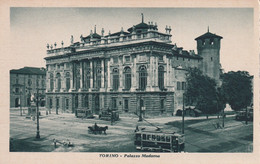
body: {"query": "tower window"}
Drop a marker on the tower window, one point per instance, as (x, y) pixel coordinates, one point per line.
(211, 59)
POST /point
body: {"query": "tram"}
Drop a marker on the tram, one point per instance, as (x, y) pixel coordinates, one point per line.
(159, 141)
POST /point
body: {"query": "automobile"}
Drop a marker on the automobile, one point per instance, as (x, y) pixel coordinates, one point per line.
(245, 114)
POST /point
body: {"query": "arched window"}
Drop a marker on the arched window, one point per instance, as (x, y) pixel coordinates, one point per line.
(58, 81)
(161, 77)
(127, 73)
(51, 82)
(67, 81)
(115, 79)
(142, 77)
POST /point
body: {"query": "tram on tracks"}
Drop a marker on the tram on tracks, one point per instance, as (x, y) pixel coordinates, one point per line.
(158, 141)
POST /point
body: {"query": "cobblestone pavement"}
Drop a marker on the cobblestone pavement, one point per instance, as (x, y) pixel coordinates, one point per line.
(201, 134)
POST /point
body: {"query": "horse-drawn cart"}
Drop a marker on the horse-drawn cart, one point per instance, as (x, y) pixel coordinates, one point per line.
(95, 129)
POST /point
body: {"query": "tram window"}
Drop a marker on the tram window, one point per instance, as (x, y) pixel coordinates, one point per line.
(138, 137)
(163, 138)
(144, 136)
(174, 141)
(153, 137)
(167, 138)
(158, 138)
(148, 137)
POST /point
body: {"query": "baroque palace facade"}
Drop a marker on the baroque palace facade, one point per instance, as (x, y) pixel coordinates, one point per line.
(126, 70)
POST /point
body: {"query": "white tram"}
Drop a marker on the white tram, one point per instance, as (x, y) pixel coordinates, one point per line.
(159, 141)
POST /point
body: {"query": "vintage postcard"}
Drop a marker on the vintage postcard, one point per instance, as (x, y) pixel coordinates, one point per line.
(130, 81)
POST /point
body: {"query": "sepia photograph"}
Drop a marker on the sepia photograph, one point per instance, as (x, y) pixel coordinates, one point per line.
(132, 82)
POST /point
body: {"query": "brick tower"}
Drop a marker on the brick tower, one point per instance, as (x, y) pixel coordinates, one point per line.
(208, 46)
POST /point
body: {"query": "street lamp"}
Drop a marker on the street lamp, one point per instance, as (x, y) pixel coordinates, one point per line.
(183, 108)
(21, 103)
(37, 110)
(140, 114)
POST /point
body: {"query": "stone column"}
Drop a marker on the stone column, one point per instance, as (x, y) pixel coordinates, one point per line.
(91, 73)
(108, 75)
(120, 67)
(81, 75)
(102, 74)
(156, 72)
(134, 74)
(166, 74)
(149, 77)
(72, 76)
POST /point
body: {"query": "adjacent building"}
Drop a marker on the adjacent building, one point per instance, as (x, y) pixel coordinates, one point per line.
(126, 70)
(24, 82)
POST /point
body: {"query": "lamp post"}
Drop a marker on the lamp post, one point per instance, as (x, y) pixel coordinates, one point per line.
(140, 114)
(21, 103)
(183, 108)
(37, 110)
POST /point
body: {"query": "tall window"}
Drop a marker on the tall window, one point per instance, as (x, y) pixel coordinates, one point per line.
(87, 75)
(127, 78)
(51, 82)
(115, 79)
(183, 86)
(37, 83)
(58, 81)
(178, 85)
(99, 78)
(43, 84)
(77, 76)
(161, 77)
(142, 77)
(67, 81)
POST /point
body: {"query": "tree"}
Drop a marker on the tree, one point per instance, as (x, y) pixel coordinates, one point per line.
(201, 92)
(237, 87)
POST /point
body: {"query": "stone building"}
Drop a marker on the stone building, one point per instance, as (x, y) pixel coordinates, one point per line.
(24, 82)
(125, 70)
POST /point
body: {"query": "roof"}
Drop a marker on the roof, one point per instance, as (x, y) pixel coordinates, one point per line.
(95, 35)
(186, 54)
(118, 33)
(208, 35)
(30, 70)
(139, 26)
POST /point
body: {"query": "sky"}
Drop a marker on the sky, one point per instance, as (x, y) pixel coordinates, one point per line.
(32, 28)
